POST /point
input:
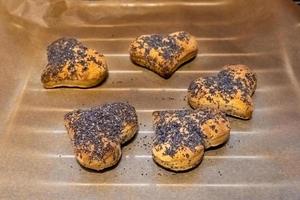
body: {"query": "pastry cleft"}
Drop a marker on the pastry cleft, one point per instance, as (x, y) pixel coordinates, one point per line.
(230, 91)
(71, 64)
(163, 54)
(98, 133)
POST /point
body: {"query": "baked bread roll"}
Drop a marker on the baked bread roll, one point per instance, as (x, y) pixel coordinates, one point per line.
(163, 54)
(97, 133)
(70, 64)
(181, 136)
(230, 91)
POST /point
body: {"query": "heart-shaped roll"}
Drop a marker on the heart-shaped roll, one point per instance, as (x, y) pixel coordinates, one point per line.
(181, 136)
(70, 64)
(230, 91)
(97, 133)
(163, 54)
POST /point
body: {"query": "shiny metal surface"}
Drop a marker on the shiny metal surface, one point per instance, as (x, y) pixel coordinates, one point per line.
(261, 159)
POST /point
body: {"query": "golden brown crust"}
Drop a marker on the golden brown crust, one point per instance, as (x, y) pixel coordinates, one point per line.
(215, 131)
(128, 131)
(86, 155)
(163, 55)
(97, 133)
(182, 135)
(70, 64)
(230, 91)
(183, 159)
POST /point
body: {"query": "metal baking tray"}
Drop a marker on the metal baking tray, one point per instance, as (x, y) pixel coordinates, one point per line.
(260, 161)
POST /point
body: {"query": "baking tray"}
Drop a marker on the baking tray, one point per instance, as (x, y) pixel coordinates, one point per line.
(260, 161)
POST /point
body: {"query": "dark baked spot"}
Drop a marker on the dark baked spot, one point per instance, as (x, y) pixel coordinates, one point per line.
(213, 127)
